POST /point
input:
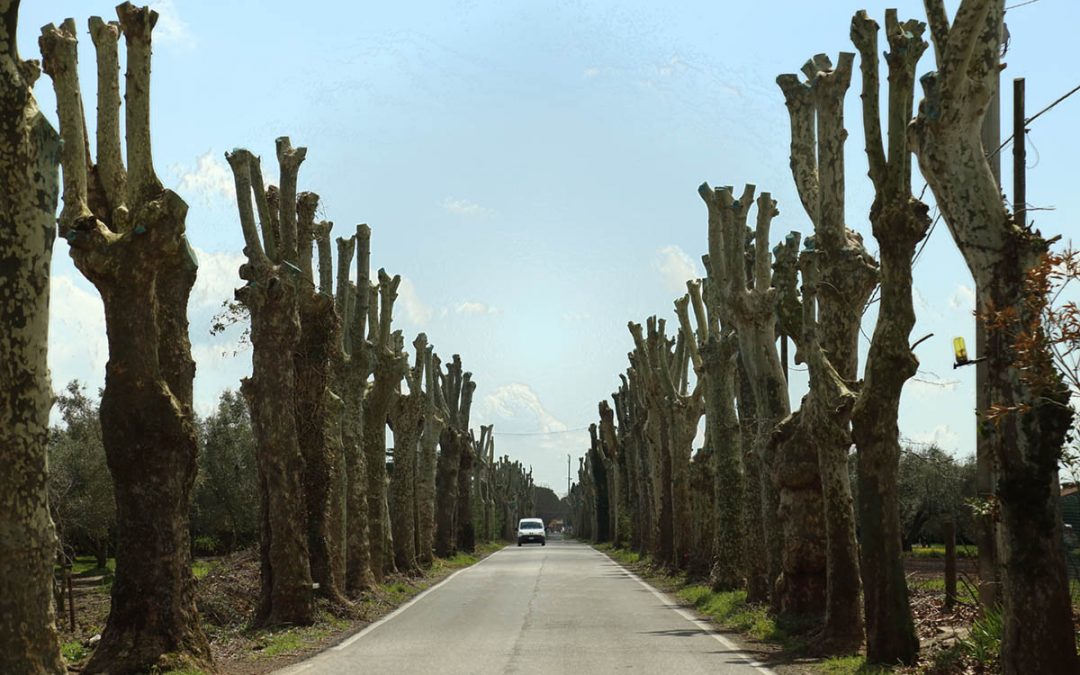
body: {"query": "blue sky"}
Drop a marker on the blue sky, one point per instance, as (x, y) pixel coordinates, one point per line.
(530, 169)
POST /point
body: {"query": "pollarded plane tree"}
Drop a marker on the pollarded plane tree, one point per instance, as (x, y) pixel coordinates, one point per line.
(271, 295)
(899, 223)
(613, 469)
(848, 277)
(434, 421)
(631, 413)
(317, 407)
(747, 303)
(513, 490)
(465, 527)
(676, 410)
(597, 466)
(407, 423)
(29, 158)
(457, 389)
(1029, 431)
(390, 364)
(484, 450)
(713, 350)
(351, 382)
(125, 233)
(485, 481)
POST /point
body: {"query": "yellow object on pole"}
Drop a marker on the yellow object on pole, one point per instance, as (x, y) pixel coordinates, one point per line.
(960, 350)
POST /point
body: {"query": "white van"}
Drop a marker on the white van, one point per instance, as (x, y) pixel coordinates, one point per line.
(531, 529)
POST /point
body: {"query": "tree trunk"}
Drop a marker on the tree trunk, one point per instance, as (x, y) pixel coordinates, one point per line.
(899, 223)
(131, 245)
(407, 420)
(848, 276)
(1028, 436)
(286, 596)
(466, 530)
(29, 183)
(758, 484)
(449, 463)
(318, 337)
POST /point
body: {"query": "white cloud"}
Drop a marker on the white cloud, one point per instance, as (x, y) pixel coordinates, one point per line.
(415, 310)
(675, 267)
(209, 181)
(590, 73)
(671, 67)
(963, 299)
(942, 436)
(517, 408)
(78, 347)
(171, 30)
(476, 309)
(464, 207)
(576, 316)
(217, 278)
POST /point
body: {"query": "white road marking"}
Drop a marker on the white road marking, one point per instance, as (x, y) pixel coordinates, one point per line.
(703, 625)
(410, 603)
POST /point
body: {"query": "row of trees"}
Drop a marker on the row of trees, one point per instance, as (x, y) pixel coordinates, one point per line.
(326, 381)
(767, 503)
(225, 497)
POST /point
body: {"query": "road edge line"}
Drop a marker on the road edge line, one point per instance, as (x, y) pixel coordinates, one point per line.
(706, 626)
(416, 598)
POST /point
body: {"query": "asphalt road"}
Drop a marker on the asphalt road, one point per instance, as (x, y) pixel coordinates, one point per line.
(562, 608)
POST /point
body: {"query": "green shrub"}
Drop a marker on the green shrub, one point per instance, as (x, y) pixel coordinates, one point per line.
(984, 642)
(206, 544)
(73, 651)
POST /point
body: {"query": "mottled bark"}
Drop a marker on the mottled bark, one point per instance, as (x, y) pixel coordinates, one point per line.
(609, 445)
(407, 422)
(673, 416)
(434, 422)
(457, 389)
(354, 373)
(749, 302)
(29, 187)
(131, 245)
(315, 353)
(390, 365)
(848, 276)
(1027, 444)
(466, 529)
(271, 296)
(899, 222)
(601, 531)
(758, 551)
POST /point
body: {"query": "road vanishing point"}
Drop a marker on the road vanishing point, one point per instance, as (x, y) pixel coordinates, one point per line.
(561, 608)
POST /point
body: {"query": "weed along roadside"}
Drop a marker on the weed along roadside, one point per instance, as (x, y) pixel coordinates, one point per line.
(243, 651)
(228, 587)
(953, 640)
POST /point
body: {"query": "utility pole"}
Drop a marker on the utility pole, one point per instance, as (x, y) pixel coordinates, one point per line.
(568, 476)
(1019, 154)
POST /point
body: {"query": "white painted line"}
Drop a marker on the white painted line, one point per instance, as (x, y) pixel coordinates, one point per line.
(298, 668)
(703, 625)
(345, 644)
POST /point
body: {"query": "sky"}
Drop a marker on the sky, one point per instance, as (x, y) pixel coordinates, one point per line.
(530, 168)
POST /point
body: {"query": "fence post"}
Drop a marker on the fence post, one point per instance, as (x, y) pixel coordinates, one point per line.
(949, 530)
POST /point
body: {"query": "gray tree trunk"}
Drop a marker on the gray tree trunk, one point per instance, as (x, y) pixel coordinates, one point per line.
(271, 297)
(848, 276)
(1028, 437)
(126, 235)
(29, 186)
(900, 222)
